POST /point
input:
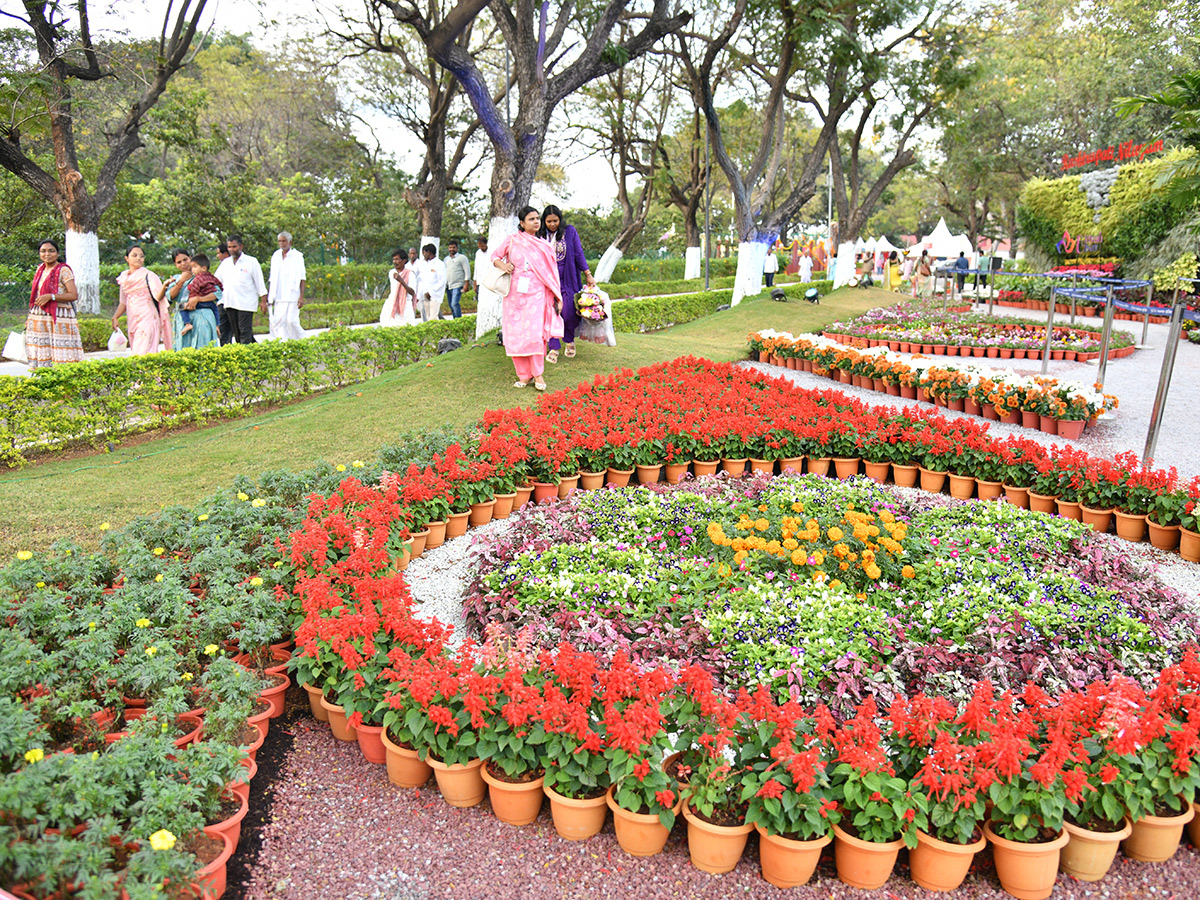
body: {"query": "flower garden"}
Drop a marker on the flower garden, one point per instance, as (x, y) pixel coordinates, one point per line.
(827, 662)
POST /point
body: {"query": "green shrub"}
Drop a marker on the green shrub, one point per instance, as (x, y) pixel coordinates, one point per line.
(656, 313)
(99, 400)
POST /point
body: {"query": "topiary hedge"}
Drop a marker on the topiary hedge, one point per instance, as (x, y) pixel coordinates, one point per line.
(99, 400)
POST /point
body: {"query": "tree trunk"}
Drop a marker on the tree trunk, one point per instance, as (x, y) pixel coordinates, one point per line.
(608, 264)
(752, 254)
(81, 220)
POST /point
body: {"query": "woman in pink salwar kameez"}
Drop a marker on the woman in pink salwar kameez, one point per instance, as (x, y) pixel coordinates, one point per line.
(533, 299)
(141, 293)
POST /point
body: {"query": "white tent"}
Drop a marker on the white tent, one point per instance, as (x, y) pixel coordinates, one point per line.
(962, 244)
(940, 243)
(883, 245)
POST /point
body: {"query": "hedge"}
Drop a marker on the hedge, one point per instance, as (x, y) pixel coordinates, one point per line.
(98, 400)
(656, 313)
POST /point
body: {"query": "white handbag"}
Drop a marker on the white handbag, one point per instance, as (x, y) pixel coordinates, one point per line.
(14, 347)
(494, 280)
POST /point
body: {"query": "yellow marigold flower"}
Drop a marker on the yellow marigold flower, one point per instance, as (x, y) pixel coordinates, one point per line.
(158, 551)
(843, 566)
(818, 576)
(358, 464)
(91, 626)
(762, 524)
(158, 577)
(797, 507)
(186, 676)
(790, 544)
(340, 468)
(142, 623)
(24, 555)
(278, 563)
(150, 651)
(211, 650)
(908, 572)
(37, 754)
(836, 583)
(242, 495)
(835, 533)
(104, 526)
(162, 840)
(255, 581)
(819, 557)
(762, 508)
(41, 584)
(873, 572)
(258, 501)
(203, 517)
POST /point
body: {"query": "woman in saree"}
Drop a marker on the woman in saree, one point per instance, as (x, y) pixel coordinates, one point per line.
(204, 324)
(51, 329)
(533, 298)
(148, 320)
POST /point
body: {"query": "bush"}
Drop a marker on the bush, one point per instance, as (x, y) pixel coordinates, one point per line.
(98, 400)
(656, 313)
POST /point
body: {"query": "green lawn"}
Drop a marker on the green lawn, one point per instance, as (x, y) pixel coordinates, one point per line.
(70, 497)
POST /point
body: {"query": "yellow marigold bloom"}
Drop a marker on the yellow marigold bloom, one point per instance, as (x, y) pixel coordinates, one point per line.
(150, 651)
(142, 623)
(737, 545)
(887, 516)
(158, 551)
(835, 533)
(91, 626)
(836, 583)
(840, 551)
(762, 508)
(203, 517)
(774, 546)
(255, 581)
(797, 507)
(818, 576)
(908, 572)
(41, 584)
(358, 464)
(37, 754)
(211, 650)
(762, 524)
(242, 495)
(819, 557)
(158, 577)
(339, 468)
(873, 571)
(798, 558)
(258, 501)
(186, 676)
(843, 566)
(104, 526)
(24, 555)
(740, 556)
(790, 544)
(162, 840)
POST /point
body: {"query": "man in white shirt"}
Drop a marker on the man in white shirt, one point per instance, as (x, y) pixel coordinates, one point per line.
(458, 278)
(243, 291)
(770, 266)
(286, 294)
(431, 283)
(805, 267)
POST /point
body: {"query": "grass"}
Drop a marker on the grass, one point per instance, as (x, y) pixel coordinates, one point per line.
(69, 497)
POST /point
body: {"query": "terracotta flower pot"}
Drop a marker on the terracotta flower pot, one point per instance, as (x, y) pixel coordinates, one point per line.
(544, 490)
(591, 481)
(1164, 537)
(514, 804)
(1189, 544)
(793, 464)
(639, 834)
(1044, 503)
(1027, 871)
(932, 481)
(941, 865)
(405, 767)
(231, 827)
(1068, 509)
(845, 466)
(1155, 839)
(418, 539)
(714, 848)
(437, 534)
(1098, 520)
(989, 490)
(1088, 854)
(567, 485)
(276, 694)
(456, 525)
(648, 474)
(735, 466)
(576, 820)
(461, 784)
(1071, 429)
(481, 513)
(905, 476)
(788, 863)
(210, 880)
(819, 465)
(864, 864)
(766, 466)
(1029, 419)
(242, 788)
(1047, 425)
(338, 722)
(619, 477)
(705, 467)
(962, 487)
(1130, 527)
(370, 742)
(1017, 496)
(314, 703)
(523, 492)
(878, 471)
(1193, 827)
(675, 472)
(908, 392)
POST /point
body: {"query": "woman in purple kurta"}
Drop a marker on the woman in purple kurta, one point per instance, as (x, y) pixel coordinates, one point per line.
(568, 254)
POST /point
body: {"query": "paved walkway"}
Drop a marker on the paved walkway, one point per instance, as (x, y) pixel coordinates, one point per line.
(1133, 380)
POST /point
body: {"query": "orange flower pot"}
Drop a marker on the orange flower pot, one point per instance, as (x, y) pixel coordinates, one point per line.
(481, 513)
(456, 525)
(1164, 537)
(619, 477)
(675, 472)
(864, 864)
(503, 508)
(461, 784)
(566, 485)
(639, 834)
(941, 865)
(405, 767)
(514, 804)
(705, 467)
(905, 476)
(714, 848)
(1130, 527)
(1155, 839)
(877, 471)
(1088, 854)
(845, 467)
(576, 820)
(788, 863)
(338, 722)
(437, 534)
(648, 474)
(1017, 496)
(591, 481)
(1099, 520)
(1027, 871)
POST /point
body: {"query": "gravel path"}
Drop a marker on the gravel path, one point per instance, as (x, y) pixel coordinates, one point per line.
(337, 829)
(1133, 380)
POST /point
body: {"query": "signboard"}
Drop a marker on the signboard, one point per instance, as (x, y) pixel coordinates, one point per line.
(1126, 151)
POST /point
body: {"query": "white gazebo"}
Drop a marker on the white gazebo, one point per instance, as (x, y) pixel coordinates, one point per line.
(940, 243)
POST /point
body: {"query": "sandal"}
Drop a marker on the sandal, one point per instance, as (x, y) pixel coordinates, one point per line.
(520, 384)
(569, 351)
(552, 356)
(540, 385)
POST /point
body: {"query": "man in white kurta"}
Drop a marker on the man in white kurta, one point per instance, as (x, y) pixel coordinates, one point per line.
(487, 303)
(286, 293)
(431, 283)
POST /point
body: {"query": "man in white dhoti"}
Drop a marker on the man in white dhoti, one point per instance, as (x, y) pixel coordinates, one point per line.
(285, 295)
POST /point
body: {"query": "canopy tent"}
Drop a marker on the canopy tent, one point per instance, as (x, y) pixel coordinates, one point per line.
(883, 245)
(940, 243)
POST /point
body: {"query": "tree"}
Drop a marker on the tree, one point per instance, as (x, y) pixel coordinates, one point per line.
(683, 179)
(1180, 98)
(66, 58)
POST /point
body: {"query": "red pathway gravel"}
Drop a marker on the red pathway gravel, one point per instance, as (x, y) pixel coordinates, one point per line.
(338, 829)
